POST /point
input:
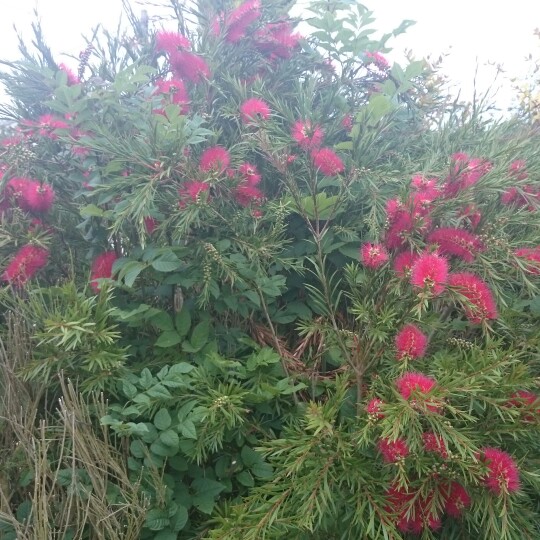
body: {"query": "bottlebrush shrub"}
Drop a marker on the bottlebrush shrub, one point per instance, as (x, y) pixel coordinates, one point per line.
(251, 239)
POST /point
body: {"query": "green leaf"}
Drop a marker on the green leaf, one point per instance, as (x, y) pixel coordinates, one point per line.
(162, 420)
(168, 339)
(180, 368)
(168, 262)
(206, 491)
(166, 535)
(170, 438)
(414, 69)
(188, 430)
(162, 320)
(179, 519)
(130, 271)
(182, 321)
(351, 250)
(379, 106)
(199, 336)
(321, 206)
(250, 456)
(156, 519)
(137, 449)
(91, 210)
(262, 470)
(162, 450)
(128, 389)
(246, 479)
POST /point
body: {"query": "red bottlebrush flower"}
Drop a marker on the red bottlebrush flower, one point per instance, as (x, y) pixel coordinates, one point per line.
(101, 269)
(526, 197)
(393, 451)
(373, 408)
(276, 40)
(246, 195)
(72, 79)
(327, 161)
(192, 190)
(456, 499)
(417, 382)
(347, 122)
(47, 124)
(250, 174)
(307, 135)
(240, 18)
(518, 169)
(37, 197)
(532, 255)
(403, 263)
(189, 66)
(472, 215)
(150, 224)
(254, 109)
(481, 304)
(415, 519)
(523, 399)
(176, 91)
(434, 443)
(503, 472)
(458, 242)
(377, 59)
(171, 42)
(25, 264)
(420, 183)
(465, 172)
(373, 255)
(31, 195)
(430, 271)
(394, 209)
(396, 235)
(411, 342)
(215, 159)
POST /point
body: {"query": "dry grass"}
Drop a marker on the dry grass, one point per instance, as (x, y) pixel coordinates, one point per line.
(74, 466)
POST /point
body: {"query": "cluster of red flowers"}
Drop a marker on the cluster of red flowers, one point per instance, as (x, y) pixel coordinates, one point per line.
(72, 79)
(416, 512)
(309, 137)
(101, 269)
(430, 270)
(480, 305)
(25, 264)
(532, 255)
(175, 93)
(374, 255)
(411, 343)
(527, 195)
(503, 473)
(29, 195)
(234, 25)
(418, 387)
(377, 59)
(253, 109)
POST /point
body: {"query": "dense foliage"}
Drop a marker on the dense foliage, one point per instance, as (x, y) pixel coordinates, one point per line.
(284, 288)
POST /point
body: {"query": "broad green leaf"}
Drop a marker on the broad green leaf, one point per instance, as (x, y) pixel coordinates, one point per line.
(162, 419)
(169, 438)
(168, 339)
(182, 321)
(199, 336)
(156, 519)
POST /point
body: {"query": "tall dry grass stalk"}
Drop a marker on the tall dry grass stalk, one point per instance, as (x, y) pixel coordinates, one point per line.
(74, 466)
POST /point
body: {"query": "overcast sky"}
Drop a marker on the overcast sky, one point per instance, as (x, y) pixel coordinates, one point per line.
(473, 32)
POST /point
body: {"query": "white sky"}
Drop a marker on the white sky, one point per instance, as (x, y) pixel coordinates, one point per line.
(472, 31)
